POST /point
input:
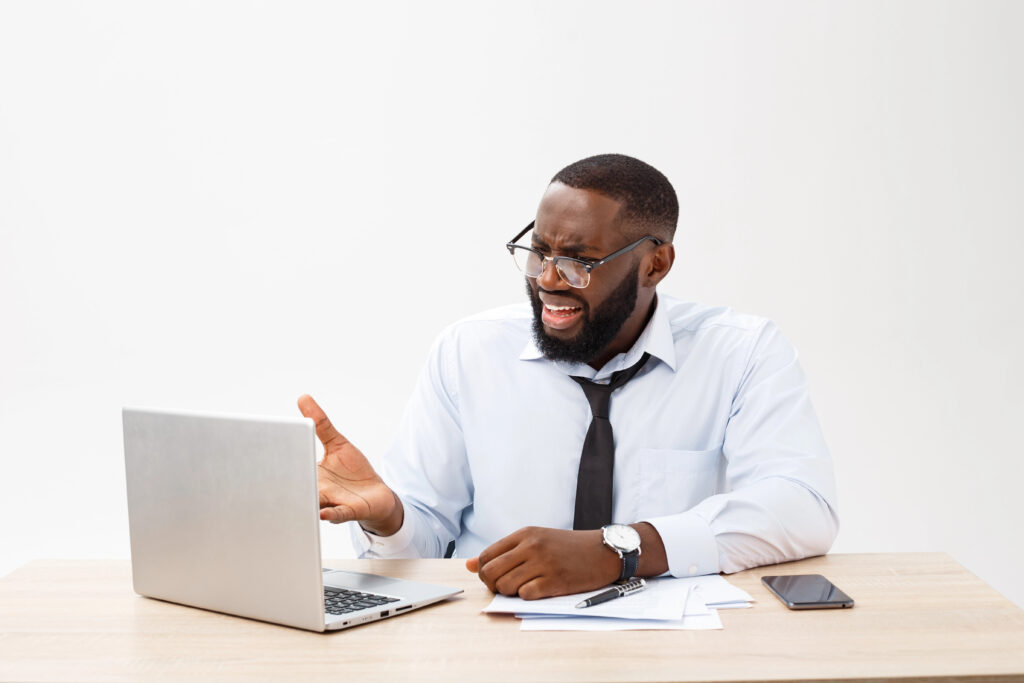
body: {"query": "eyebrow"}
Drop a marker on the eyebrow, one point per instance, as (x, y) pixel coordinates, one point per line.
(568, 250)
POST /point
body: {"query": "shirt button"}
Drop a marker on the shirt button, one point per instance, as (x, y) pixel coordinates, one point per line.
(693, 570)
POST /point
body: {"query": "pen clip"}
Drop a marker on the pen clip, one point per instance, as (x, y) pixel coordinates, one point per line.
(618, 591)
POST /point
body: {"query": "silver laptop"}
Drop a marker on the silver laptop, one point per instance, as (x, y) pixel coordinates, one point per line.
(223, 513)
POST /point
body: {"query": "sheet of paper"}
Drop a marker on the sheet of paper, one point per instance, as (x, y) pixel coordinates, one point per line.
(714, 589)
(692, 610)
(733, 605)
(704, 622)
(693, 607)
(662, 599)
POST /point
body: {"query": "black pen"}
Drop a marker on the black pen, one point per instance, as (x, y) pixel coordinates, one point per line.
(634, 586)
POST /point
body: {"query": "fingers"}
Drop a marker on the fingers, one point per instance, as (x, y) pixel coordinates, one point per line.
(535, 562)
(499, 559)
(325, 431)
(511, 583)
(337, 514)
(502, 546)
(493, 571)
(509, 572)
(335, 506)
(329, 499)
(536, 589)
(473, 564)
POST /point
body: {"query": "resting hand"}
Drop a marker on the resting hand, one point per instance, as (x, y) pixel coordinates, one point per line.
(535, 562)
(350, 489)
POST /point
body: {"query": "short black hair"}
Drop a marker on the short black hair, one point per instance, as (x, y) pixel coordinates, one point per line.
(649, 202)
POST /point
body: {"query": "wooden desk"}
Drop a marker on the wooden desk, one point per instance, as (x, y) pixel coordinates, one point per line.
(918, 617)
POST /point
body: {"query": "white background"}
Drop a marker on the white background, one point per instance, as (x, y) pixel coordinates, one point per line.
(220, 206)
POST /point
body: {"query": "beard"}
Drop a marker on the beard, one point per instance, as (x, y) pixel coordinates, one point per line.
(599, 326)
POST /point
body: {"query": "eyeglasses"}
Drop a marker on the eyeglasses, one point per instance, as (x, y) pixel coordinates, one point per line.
(573, 271)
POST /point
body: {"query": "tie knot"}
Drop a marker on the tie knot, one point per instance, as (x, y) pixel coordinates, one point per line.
(600, 395)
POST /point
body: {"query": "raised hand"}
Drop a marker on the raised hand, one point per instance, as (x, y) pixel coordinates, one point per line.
(350, 489)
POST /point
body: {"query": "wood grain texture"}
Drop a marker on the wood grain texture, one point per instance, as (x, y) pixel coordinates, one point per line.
(919, 617)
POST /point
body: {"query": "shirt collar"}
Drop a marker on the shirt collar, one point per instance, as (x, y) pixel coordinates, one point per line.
(656, 339)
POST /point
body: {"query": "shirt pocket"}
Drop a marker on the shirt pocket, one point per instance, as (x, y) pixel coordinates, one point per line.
(671, 481)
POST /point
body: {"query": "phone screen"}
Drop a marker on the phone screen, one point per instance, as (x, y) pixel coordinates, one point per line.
(807, 591)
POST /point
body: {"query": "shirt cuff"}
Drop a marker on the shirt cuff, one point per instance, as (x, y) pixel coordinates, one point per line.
(368, 544)
(689, 544)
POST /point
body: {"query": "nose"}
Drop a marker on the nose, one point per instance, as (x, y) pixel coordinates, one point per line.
(549, 278)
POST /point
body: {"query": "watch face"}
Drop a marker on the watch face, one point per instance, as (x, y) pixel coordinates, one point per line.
(622, 537)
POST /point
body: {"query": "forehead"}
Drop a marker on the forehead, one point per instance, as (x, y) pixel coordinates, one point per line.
(571, 219)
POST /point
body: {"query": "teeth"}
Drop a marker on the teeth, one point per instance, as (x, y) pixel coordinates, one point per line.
(561, 308)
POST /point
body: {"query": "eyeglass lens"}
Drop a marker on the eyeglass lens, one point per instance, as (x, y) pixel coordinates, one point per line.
(532, 265)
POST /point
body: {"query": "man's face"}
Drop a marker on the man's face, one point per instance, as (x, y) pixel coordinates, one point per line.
(598, 328)
(589, 324)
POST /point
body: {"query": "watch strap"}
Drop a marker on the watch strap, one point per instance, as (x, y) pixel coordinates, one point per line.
(630, 565)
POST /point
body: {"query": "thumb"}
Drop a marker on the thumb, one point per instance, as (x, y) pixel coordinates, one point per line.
(473, 564)
(325, 431)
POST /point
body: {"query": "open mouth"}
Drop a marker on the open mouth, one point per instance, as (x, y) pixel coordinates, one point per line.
(560, 317)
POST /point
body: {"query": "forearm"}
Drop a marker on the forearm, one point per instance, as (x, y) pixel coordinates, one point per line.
(776, 521)
(772, 521)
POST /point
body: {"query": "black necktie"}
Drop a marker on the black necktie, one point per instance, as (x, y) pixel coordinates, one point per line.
(594, 483)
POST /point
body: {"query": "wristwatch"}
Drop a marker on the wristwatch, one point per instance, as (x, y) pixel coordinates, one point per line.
(626, 542)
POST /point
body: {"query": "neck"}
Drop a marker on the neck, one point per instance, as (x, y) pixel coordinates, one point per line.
(630, 332)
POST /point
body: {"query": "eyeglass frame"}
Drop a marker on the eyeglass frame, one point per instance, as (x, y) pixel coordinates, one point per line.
(587, 265)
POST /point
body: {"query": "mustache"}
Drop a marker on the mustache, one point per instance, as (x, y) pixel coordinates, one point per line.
(565, 294)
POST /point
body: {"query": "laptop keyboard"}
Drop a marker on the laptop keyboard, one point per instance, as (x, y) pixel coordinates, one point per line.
(342, 601)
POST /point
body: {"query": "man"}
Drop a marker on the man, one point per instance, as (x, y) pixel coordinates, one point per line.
(602, 431)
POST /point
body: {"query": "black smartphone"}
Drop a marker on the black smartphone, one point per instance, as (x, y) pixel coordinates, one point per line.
(807, 591)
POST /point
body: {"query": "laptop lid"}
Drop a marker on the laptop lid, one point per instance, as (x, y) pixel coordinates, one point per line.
(223, 513)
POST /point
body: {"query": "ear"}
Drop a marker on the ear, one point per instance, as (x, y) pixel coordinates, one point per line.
(657, 264)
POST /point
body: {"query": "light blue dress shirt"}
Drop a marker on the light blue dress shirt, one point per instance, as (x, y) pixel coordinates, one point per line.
(716, 443)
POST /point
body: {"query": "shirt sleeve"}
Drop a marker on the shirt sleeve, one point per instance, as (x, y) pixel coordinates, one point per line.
(426, 466)
(779, 499)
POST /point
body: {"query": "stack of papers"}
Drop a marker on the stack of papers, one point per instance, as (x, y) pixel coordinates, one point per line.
(666, 604)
